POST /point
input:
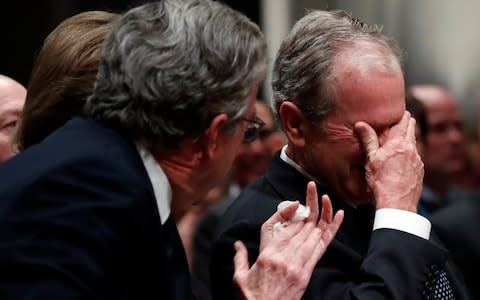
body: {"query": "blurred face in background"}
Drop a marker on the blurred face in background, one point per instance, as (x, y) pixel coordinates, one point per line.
(12, 98)
(254, 158)
(444, 147)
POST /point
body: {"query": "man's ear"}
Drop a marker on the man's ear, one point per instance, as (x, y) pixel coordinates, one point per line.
(293, 123)
(213, 135)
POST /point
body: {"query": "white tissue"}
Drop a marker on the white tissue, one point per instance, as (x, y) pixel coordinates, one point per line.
(301, 214)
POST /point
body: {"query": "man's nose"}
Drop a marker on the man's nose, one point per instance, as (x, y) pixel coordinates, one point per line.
(455, 134)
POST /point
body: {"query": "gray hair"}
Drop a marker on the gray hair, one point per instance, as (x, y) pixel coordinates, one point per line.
(169, 67)
(303, 71)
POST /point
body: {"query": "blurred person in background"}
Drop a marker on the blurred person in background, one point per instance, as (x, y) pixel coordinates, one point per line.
(444, 152)
(417, 110)
(253, 159)
(473, 152)
(12, 98)
(458, 223)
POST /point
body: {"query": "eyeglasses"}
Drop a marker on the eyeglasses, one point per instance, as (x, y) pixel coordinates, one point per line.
(253, 129)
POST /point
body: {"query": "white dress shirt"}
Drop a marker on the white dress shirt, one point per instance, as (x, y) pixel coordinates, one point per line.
(385, 217)
(160, 184)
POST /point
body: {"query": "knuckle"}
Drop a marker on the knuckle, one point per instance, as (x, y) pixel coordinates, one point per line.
(410, 147)
(236, 277)
(293, 274)
(269, 260)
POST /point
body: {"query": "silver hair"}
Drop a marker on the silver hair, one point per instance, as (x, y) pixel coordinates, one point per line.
(169, 67)
(304, 67)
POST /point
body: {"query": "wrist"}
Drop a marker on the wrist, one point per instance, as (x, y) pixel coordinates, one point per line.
(396, 202)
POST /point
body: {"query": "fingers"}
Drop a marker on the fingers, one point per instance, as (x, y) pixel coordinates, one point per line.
(305, 242)
(329, 231)
(325, 238)
(327, 213)
(368, 138)
(270, 226)
(312, 201)
(410, 134)
(282, 215)
(400, 129)
(240, 261)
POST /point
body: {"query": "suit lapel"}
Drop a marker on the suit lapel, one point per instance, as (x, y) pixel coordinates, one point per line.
(287, 182)
(290, 184)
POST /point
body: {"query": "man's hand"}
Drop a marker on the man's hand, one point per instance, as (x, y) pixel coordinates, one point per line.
(394, 170)
(286, 260)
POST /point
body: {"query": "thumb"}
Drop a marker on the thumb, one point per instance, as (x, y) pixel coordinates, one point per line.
(240, 261)
(286, 211)
(368, 138)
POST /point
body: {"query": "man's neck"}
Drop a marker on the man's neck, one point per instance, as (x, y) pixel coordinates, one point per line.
(180, 176)
(296, 160)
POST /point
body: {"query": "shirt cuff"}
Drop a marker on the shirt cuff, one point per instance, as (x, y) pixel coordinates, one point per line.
(402, 220)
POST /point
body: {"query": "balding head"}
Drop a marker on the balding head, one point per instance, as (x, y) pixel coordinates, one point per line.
(445, 141)
(12, 98)
(431, 95)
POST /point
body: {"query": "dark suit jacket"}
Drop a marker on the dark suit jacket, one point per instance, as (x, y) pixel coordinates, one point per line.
(359, 263)
(205, 233)
(78, 220)
(458, 226)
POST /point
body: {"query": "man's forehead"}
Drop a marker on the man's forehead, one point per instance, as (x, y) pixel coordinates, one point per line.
(264, 113)
(11, 105)
(9, 87)
(12, 95)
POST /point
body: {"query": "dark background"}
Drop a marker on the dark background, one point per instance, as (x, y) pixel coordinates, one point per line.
(25, 24)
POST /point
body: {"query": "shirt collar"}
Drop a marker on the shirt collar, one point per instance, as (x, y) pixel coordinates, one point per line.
(234, 190)
(288, 160)
(161, 187)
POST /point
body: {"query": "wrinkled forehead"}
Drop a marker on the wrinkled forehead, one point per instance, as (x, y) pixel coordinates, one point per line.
(375, 96)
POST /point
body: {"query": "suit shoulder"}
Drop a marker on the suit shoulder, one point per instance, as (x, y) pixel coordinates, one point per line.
(80, 156)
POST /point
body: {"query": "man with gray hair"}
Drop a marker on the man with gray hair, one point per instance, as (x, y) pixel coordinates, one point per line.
(339, 94)
(90, 212)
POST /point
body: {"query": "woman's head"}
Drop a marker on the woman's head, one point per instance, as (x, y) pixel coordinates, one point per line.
(63, 75)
